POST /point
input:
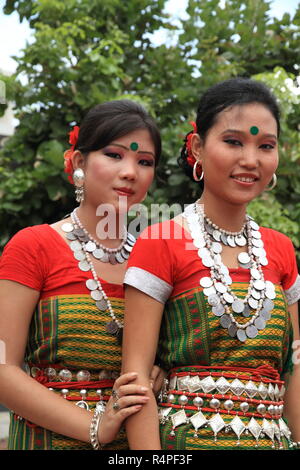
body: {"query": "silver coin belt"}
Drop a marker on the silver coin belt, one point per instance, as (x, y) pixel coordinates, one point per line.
(200, 408)
(208, 240)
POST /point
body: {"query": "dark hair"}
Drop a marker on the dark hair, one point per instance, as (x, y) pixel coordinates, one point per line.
(223, 95)
(113, 119)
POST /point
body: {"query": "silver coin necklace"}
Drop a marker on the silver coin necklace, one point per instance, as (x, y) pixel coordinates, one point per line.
(83, 245)
(258, 303)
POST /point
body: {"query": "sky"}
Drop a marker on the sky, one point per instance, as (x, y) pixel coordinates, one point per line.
(14, 35)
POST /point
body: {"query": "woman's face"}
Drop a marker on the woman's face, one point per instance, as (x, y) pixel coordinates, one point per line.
(122, 169)
(237, 163)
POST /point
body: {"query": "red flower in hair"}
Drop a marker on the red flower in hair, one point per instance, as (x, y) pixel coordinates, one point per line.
(73, 137)
(190, 158)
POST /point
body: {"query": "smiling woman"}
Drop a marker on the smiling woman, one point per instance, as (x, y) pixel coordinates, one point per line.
(62, 299)
(221, 302)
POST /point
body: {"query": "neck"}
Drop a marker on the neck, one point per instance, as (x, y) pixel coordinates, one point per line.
(107, 227)
(222, 213)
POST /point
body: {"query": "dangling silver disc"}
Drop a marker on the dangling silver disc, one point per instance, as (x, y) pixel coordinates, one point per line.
(98, 253)
(258, 252)
(96, 295)
(224, 239)
(209, 291)
(257, 242)
(238, 306)
(219, 310)
(75, 246)
(203, 253)
(199, 242)
(217, 235)
(246, 311)
(102, 304)
(270, 294)
(206, 282)
(112, 327)
(71, 236)
(224, 269)
(225, 321)
(255, 294)
(266, 314)
(240, 240)
(260, 323)
(131, 237)
(128, 248)
(228, 298)
(78, 232)
(263, 261)
(259, 285)
(90, 246)
(119, 258)
(84, 266)
(232, 330)
(245, 266)
(67, 227)
(251, 331)
(216, 247)
(255, 273)
(268, 304)
(112, 259)
(253, 303)
(208, 262)
(254, 225)
(91, 284)
(79, 255)
(83, 238)
(105, 258)
(255, 234)
(124, 254)
(213, 300)
(269, 285)
(227, 280)
(220, 287)
(231, 241)
(244, 258)
(241, 335)
(209, 228)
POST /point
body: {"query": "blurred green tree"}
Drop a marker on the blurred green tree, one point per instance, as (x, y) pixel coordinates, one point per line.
(87, 51)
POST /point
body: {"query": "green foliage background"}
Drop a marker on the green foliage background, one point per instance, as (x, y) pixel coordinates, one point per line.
(88, 51)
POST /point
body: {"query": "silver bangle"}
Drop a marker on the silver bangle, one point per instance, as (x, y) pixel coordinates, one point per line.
(96, 420)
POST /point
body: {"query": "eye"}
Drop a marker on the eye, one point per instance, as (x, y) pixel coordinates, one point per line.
(233, 142)
(146, 162)
(113, 155)
(268, 146)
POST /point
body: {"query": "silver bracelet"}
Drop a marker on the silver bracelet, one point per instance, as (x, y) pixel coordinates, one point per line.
(96, 420)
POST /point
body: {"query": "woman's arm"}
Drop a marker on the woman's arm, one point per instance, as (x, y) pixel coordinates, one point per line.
(143, 317)
(33, 401)
(292, 405)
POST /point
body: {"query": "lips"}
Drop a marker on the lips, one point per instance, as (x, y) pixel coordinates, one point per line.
(124, 191)
(245, 177)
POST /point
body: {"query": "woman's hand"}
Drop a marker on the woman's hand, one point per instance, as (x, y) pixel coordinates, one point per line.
(127, 399)
(157, 377)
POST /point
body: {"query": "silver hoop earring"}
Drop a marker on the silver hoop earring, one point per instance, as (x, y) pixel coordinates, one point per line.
(274, 182)
(78, 178)
(196, 178)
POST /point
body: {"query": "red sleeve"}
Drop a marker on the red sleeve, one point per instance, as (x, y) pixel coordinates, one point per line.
(23, 259)
(288, 263)
(152, 252)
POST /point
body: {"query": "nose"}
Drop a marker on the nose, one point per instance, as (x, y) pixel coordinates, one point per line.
(129, 170)
(249, 157)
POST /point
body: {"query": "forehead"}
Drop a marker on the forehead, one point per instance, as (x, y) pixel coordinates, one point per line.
(141, 136)
(243, 117)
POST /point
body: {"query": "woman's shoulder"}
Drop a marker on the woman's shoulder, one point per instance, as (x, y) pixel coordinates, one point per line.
(271, 235)
(32, 236)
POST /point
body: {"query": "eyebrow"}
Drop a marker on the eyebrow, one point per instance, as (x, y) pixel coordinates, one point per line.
(126, 148)
(236, 131)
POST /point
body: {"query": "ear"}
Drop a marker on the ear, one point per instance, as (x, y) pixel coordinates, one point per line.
(78, 160)
(197, 147)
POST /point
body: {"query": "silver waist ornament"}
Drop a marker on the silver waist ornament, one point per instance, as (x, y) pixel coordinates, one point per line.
(258, 303)
(83, 246)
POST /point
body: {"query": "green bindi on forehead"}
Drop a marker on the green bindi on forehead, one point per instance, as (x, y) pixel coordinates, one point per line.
(134, 146)
(254, 130)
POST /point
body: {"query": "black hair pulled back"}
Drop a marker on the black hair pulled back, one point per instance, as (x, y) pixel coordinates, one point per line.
(232, 92)
(114, 119)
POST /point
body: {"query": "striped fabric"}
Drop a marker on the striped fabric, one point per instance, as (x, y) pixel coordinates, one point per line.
(69, 331)
(191, 335)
